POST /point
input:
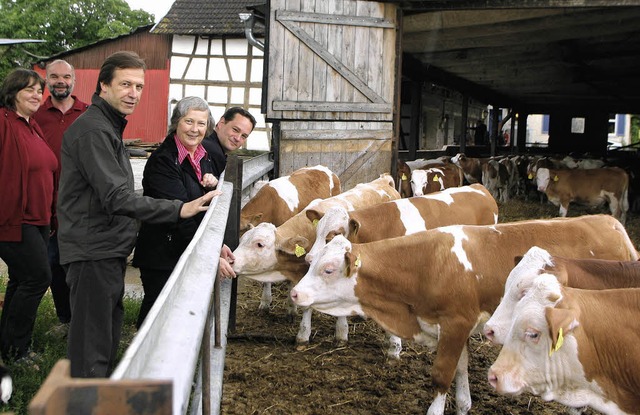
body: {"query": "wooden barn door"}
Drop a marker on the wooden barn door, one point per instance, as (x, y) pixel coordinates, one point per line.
(331, 85)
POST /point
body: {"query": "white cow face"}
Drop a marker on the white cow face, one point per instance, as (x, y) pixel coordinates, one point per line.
(334, 222)
(519, 281)
(256, 252)
(329, 285)
(542, 179)
(531, 360)
(418, 181)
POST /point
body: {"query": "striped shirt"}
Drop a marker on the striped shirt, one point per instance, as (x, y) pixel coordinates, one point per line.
(195, 161)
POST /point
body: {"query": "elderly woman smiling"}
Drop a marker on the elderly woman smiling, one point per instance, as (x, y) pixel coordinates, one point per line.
(179, 169)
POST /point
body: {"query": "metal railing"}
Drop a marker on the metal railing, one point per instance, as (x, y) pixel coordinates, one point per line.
(185, 330)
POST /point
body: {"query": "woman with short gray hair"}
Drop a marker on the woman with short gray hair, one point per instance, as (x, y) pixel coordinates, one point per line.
(179, 169)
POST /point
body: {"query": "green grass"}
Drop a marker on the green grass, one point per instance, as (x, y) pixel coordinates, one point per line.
(27, 381)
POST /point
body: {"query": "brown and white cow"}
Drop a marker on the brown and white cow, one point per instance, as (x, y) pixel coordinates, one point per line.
(577, 347)
(436, 179)
(278, 200)
(267, 253)
(281, 198)
(437, 287)
(495, 177)
(592, 274)
(590, 187)
(466, 205)
(404, 169)
(471, 167)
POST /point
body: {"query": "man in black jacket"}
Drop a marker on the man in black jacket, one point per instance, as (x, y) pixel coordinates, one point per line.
(230, 133)
(97, 215)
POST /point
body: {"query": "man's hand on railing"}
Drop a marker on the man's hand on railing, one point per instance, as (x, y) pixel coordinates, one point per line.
(225, 270)
(198, 205)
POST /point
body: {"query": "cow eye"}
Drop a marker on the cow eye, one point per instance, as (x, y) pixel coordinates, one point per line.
(532, 335)
(260, 244)
(328, 271)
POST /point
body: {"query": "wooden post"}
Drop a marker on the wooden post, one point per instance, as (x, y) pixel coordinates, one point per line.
(61, 394)
(233, 174)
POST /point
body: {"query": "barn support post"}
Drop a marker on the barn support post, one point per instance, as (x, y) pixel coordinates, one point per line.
(414, 133)
(495, 113)
(464, 121)
(522, 132)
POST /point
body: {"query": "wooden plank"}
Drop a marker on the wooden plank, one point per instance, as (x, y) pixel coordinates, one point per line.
(348, 91)
(61, 394)
(336, 135)
(336, 19)
(334, 46)
(410, 5)
(275, 60)
(321, 34)
(330, 106)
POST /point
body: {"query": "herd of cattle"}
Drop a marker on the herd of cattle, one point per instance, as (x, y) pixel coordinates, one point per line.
(429, 262)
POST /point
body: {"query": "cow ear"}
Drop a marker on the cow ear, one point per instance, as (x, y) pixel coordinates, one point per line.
(300, 241)
(313, 215)
(354, 227)
(257, 218)
(561, 322)
(352, 263)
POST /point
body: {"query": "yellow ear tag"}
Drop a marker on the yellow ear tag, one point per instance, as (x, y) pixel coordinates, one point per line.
(404, 176)
(436, 178)
(358, 261)
(530, 176)
(558, 343)
(555, 179)
(315, 223)
(299, 251)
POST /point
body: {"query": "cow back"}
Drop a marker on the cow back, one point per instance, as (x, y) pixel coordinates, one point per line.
(282, 198)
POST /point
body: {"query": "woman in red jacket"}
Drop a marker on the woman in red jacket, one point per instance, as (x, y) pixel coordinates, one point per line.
(27, 168)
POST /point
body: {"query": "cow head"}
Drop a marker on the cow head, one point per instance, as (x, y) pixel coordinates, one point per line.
(334, 222)
(518, 282)
(542, 178)
(256, 251)
(418, 181)
(537, 355)
(329, 285)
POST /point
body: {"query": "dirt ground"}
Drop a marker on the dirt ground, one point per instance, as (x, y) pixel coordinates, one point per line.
(266, 374)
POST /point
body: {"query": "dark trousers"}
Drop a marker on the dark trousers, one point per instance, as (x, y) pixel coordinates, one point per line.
(153, 281)
(96, 289)
(59, 287)
(29, 278)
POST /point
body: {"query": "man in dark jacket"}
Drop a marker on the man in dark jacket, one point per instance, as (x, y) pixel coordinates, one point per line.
(230, 133)
(97, 215)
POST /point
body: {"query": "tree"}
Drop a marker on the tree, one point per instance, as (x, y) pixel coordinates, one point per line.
(63, 25)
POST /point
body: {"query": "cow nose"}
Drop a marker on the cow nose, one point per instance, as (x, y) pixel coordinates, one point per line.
(294, 295)
(489, 333)
(308, 258)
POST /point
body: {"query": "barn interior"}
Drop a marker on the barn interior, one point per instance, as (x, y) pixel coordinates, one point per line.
(572, 62)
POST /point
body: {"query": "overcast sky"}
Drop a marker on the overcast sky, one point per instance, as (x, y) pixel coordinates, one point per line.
(156, 7)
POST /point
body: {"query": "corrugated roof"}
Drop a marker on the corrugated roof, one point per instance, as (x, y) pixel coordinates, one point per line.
(207, 17)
